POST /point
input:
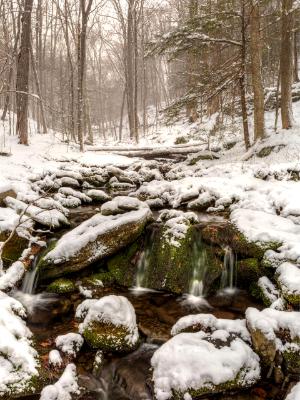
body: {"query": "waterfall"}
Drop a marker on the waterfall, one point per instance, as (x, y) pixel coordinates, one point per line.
(229, 274)
(200, 262)
(142, 266)
(30, 279)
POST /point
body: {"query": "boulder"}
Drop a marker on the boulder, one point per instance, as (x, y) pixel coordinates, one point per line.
(109, 324)
(6, 193)
(191, 365)
(288, 279)
(61, 286)
(97, 238)
(276, 337)
(122, 204)
(227, 234)
(173, 251)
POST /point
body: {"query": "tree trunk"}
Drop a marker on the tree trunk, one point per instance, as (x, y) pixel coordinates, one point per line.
(296, 72)
(256, 66)
(192, 61)
(242, 79)
(22, 82)
(85, 11)
(38, 89)
(286, 63)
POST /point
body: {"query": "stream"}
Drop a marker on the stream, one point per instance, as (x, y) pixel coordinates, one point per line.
(128, 376)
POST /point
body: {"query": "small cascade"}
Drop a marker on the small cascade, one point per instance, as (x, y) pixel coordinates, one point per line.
(229, 274)
(142, 267)
(30, 279)
(200, 267)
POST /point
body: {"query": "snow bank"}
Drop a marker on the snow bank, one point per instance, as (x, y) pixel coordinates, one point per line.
(18, 359)
(189, 362)
(64, 388)
(115, 310)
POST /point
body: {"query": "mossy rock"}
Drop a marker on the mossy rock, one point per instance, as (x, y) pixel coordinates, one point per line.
(248, 272)
(211, 389)
(170, 267)
(110, 242)
(108, 337)
(122, 266)
(292, 360)
(226, 234)
(61, 286)
(94, 280)
(14, 248)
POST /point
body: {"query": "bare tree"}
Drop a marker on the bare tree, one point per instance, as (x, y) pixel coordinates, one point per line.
(22, 84)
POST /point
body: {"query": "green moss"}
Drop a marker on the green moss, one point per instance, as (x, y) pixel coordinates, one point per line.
(122, 266)
(13, 250)
(93, 280)
(226, 234)
(292, 361)
(61, 286)
(170, 267)
(233, 384)
(107, 337)
(248, 272)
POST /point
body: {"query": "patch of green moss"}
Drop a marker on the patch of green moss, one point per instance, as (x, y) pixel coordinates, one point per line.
(226, 234)
(14, 248)
(248, 272)
(233, 384)
(122, 266)
(61, 286)
(107, 337)
(94, 280)
(292, 361)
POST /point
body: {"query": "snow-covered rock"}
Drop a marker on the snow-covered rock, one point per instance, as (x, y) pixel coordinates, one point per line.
(96, 238)
(288, 278)
(275, 331)
(13, 275)
(64, 388)
(108, 324)
(52, 218)
(70, 343)
(269, 293)
(197, 363)
(55, 359)
(209, 323)
(122, 204)
(18, 359)
(98, 195)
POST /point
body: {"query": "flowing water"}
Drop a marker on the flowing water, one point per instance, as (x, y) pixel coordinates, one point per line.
(30, 279)
(200, 261)
(229, 274)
